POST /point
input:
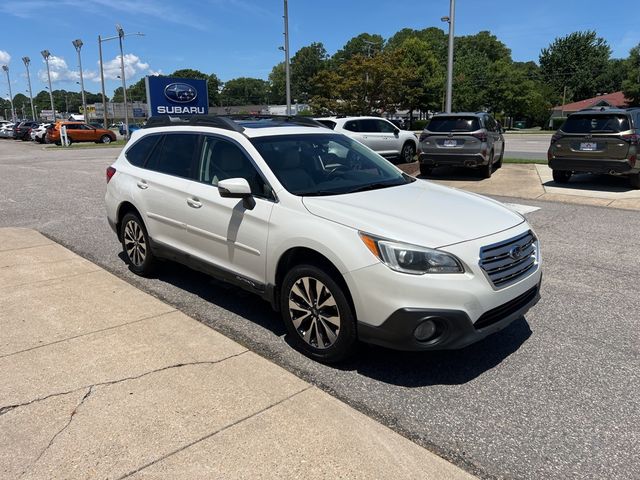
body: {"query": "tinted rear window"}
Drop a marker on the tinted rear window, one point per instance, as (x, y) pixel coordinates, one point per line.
(585, 123)
(454, 124)
(175, 156)
(139, 152)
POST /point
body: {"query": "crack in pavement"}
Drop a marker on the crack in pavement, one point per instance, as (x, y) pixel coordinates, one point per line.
(73, 413)
(9, 408)
(212, 434)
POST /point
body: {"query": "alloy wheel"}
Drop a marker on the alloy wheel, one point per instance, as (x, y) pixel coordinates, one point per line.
(134, 243)
(314, 312)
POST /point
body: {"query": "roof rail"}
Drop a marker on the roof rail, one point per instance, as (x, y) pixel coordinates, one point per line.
(292, 119)
(194, 120)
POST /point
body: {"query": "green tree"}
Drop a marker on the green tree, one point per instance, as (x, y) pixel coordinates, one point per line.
(364, 44)
(245, 91)
(306, 64)
(576, 61)
(631, 84)
(277, 85)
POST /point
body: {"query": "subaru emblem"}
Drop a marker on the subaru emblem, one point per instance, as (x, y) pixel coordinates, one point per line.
(516, 252)
(180, 92)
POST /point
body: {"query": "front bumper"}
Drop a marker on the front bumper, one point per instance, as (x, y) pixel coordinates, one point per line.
(455, 327)
(592, 166)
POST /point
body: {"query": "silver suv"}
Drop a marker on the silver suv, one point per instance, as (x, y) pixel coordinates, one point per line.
(461, 140)
(379, 134)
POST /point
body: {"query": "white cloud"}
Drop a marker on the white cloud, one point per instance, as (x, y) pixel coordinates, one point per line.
(132, 66)
(4, 57)
(60, 71)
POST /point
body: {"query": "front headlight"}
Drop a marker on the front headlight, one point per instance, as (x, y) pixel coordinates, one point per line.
(406, 258)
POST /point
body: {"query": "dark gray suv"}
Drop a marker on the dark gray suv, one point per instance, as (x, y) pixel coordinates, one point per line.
(462, 140)
(602, 140)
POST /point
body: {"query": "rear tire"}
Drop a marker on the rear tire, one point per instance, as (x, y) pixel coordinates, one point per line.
(408, 152)
(487, 170)
(561, 176)
(499, 162)
(317, 314)
(135, 245)
(634, 180)
(425, 170)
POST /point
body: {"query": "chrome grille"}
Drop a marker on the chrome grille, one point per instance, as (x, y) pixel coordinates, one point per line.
(506, 262)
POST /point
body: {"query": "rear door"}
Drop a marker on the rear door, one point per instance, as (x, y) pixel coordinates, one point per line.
(594, 136)
(161, 188)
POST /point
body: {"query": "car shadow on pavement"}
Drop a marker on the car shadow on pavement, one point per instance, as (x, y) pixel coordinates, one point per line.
(597, 183)
(446, 367)
(453, 174)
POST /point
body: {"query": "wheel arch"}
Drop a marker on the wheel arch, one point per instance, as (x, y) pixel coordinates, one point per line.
(124, 208)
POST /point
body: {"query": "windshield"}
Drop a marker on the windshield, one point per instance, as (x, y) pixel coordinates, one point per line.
(325, 164)
(598, 123)
(454, 124)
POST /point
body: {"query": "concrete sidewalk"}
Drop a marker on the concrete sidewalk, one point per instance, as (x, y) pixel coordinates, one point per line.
(100, 380)
(535, 181)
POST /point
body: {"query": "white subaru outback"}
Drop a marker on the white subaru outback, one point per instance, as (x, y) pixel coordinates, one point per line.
(345, 245)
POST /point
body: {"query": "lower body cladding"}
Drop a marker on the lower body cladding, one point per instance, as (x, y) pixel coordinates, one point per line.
(612, 167)
(439, 311)
(453, 159)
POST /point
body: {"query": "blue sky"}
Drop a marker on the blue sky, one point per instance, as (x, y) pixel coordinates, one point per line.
(233, 38)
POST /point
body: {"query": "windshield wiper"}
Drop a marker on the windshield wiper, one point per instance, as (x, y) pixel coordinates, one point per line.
(318, 193)
(373, 186)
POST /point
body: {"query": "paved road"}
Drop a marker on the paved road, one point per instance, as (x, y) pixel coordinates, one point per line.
(530, 146)
(552, 396)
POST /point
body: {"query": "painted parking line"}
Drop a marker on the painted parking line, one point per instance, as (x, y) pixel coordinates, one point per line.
(521, 209)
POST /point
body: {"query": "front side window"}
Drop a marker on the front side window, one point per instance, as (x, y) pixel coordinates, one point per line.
(221, 160)
(138, 153)
(326, 164)
(176, 155)
(385, 127)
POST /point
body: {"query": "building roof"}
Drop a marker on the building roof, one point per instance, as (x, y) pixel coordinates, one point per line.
(615, 99)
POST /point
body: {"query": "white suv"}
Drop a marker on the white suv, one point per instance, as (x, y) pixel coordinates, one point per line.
(339, 240)
(378, 134)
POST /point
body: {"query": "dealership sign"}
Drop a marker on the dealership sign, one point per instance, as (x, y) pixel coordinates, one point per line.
(177, 96)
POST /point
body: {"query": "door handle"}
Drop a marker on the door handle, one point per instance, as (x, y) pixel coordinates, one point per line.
(194, 203)
(142, 185)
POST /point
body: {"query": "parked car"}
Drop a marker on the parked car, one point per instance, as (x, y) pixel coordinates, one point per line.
(6, 130)
(379, 134)
(79, 132)
(347, 246)
(132, 128)
(23, 130)
(601, 140)
(39, 133)
(461, 139)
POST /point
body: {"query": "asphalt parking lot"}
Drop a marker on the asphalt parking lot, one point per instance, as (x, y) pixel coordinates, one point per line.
(552, 396)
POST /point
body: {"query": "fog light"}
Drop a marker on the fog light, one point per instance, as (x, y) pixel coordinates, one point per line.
(425, 331)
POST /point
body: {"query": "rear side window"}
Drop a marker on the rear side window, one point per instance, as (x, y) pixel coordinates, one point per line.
(328, 123)
(176, 155)
(352, 126)
(454, 124)
(602, 123)
(139, 152)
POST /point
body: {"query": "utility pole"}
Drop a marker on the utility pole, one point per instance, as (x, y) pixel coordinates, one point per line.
(46, 54)
(78, 44)
(287, 72)
(104, 97)
(27, 61)
(451, 21)
(13, 112)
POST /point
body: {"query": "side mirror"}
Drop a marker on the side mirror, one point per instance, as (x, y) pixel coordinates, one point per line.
(396, 131)
(237, 188)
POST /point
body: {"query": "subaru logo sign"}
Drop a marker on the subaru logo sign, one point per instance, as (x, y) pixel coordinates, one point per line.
(180, 93)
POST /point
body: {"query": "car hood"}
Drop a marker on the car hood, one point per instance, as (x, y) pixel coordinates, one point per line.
(420, 213)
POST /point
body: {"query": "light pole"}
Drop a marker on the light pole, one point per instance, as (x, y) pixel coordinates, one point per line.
(13, 111)
(120, 36)
(46, 54)
(78, 44)
(451, 21)
(27, 61)
(287, 72)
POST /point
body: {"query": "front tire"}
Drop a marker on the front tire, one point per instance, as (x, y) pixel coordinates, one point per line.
(561, 176)
(105, 139)
(408, 152)
(136, 247)
(317, 314)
